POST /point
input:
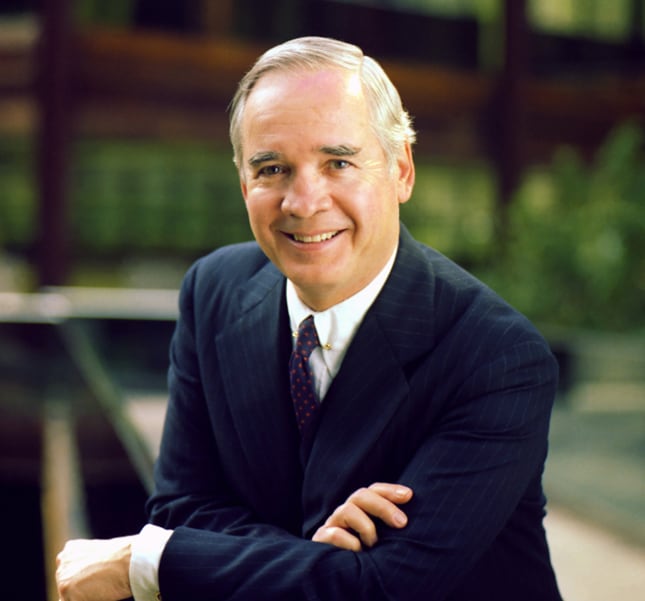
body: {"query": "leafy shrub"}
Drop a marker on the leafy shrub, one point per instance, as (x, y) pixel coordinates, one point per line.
(576, 254)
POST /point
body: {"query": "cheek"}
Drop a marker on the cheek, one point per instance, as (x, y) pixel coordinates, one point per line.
(255, 216)
(373, 209)
(258, 204)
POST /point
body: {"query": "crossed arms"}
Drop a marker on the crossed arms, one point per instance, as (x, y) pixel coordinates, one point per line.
(98, 570)
(469, 448)
(450, 475)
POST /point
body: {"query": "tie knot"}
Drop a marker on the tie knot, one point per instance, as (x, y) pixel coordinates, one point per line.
(307, 339)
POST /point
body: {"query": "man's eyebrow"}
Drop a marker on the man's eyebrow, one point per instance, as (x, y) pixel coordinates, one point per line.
(340, 150)
(262, 157)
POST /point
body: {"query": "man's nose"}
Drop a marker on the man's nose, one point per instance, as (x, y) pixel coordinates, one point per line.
(306, 195)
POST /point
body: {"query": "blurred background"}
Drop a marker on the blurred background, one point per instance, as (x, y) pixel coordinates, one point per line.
(116, 173)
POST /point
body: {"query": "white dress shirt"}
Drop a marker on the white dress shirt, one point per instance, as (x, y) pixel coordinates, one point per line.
(336, 327)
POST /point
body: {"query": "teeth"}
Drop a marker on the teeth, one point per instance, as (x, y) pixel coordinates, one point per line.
(316, 238)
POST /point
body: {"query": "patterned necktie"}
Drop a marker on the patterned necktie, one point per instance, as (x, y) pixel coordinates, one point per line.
(302, 388)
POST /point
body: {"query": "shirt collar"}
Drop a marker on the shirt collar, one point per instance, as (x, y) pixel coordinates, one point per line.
(337, 325)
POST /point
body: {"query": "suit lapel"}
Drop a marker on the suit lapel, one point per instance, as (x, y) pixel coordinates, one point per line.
(371, 386)
(253, 357)
(364, 398)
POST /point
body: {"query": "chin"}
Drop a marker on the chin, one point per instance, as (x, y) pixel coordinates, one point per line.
(317, 283)
(312, 283)
(312, 273)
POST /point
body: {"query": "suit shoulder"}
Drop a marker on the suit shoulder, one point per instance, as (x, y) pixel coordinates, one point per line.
(233, 259)
(214, 283)
(461, 300)
(228, 265)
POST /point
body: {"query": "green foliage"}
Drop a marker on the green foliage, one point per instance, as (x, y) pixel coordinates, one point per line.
(114, 13)
(17, 192)
(452, 210)
(576, 255)
(576, 246)
(179, 199)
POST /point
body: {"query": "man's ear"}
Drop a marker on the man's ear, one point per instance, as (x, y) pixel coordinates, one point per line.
(405, 173)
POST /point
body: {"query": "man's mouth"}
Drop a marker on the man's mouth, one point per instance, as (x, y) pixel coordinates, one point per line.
(314, 238)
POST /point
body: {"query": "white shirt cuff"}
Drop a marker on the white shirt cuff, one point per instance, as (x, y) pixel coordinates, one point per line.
(147, 548)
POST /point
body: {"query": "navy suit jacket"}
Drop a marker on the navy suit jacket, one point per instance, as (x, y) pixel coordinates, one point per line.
(445, 388)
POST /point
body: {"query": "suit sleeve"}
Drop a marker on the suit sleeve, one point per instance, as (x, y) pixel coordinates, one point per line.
(468, 474)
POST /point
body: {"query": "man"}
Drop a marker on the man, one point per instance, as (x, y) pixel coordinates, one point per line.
(418, 473)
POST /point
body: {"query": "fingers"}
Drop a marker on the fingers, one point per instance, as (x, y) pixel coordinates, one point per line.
(349, 526)
(381, 500)
(338, 537)
(397, 493)
(352, 524)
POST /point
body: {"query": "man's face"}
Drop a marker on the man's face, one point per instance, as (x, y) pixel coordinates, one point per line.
(323, 203)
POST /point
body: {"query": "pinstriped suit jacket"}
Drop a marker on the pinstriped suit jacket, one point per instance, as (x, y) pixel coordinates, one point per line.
(445, 388)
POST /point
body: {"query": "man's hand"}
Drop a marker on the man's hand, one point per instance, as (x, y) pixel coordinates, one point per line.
(352, 524)
(94, 570)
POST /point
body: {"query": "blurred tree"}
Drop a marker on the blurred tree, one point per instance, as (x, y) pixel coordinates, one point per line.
(577, 251)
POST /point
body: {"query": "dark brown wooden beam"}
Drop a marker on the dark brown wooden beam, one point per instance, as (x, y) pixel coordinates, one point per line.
(158, 68)
(136, 84)
(217, 17)
(54, 136)
(510, 105)
(141, 84)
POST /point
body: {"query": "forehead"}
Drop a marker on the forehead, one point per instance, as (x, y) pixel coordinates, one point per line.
(301, 81)
(305, 103)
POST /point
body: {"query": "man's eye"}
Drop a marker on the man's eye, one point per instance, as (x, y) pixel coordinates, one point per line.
(340, 164)
(270, 170)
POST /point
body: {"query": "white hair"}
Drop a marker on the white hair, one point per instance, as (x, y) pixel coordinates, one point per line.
(390, 121)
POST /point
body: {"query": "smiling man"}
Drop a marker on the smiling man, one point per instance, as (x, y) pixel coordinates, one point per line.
(321, 193)
(351, 415)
